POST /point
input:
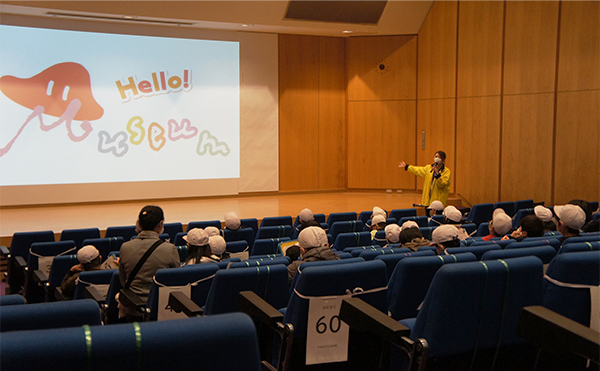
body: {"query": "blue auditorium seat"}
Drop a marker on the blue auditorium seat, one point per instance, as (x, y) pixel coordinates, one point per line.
(79, 235)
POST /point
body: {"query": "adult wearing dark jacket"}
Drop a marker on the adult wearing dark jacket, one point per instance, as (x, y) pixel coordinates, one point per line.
(313, 247)
(150, 223)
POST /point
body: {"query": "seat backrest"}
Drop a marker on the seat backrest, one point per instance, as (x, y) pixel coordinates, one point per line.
(41, 254)
(483, 229)
(336, 280)
(285, 260)
(267, 246)
(421, 220)
(400, 213)
(530, 242)
(249, 223)
(478, 250)
(172, 229)
(21, 242)
(14, 299)
(520, 214)
(579, 269)
(344, 240)
(197, 278)
(105, 245)
(320, 263)
(470, 228)
(58, 314)
(246, 234)
(274, 221)
(59, 268)
(545, 252)
(586, 238)
(391, 260)
(126, 231)
(523, 204)
(365, 216)
(480, 213)
(201, 343)
(269, 282)
(580, 246)
(507, 206)
(98, 278)
(78, 235)
(485, 313)
(203, 224)
(379, 238)
(277, 231)
(373, 253)
(410, 280)
(435, 220)
(236, 246)
(340, 217)
(347, 226)
(495, 241)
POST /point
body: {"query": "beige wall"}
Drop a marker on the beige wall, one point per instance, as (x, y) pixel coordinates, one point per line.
(510, 90)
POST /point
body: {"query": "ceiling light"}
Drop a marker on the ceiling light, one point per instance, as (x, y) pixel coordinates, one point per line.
(347, 31)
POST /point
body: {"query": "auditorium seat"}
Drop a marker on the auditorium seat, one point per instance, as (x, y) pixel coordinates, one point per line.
(277, 231)
(245, 234)
(507, 206)
(421, 221)
(258, 262)
(79, 235)
(203, 224)
(105, 245)
(545, 252)
(217, 343)
(474, 327)
(340, 217)
(51, 283)
(480, 213)
(400, 213)
(172, 229)
(39, 261)
(348, 226)
(14, 299)
(478, 250)
(391, 260)
(344, 240)
(274, 221)
(267, 246)
(97, 281)
(579, 246)
(126, 231)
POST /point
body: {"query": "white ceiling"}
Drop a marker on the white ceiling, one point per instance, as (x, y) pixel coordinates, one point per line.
(398, 18)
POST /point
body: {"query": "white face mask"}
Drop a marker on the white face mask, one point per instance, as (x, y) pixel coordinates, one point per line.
(437, 160)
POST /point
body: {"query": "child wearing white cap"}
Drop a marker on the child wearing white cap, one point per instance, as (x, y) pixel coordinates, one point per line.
(571, 219)
(500, 225)
(313, 247)
(199, 250)
(443, 237)
(377, 224)
(89, 260)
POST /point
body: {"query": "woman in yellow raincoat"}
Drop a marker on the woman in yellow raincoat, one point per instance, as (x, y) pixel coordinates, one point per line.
(437, 178)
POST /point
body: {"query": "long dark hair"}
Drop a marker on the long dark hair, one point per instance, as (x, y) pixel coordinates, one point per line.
(195, 253)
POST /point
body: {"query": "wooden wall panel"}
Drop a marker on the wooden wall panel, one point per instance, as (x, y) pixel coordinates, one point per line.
(480, 30)
(332, 113)
(530, 46)
(380, 134)
(436, 117)
(367, 81)
(437, 52)
(478, 149)
(577, 160)
(579, 58)
(527, 133)
(298, 112)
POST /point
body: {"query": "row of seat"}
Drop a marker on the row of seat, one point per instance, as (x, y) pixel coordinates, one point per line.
(309, 286)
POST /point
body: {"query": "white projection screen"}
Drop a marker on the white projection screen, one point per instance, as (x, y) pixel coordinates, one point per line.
(95, 114)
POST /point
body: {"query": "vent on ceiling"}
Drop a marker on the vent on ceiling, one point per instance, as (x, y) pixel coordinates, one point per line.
(361, 12)
(122, 19)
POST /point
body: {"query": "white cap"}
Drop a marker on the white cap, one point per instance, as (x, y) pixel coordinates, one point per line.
(87, 253)
(452, 213)
(392, 233)
(502, 223)
(217, 244)
(378, 211)
(444, 233)
(378, 219)
(232, 221)
(409, 224)
(212, 231)
(543, 213)
(498, 210)
(196, 237)
(312, 237)
(572, 215)
(436, 205)
(306, 215)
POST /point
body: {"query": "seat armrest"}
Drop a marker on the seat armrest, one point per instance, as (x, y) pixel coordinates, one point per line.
(21, 262)
(361, 316)
(179, 302)
(132, 300)
(255, 306)
(40, 277)
(92, 293)
(4, 251)
(58, 294)
(555, 333)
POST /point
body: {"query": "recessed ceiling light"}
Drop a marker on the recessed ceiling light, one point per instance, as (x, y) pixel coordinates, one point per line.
(347, 31)
(127, 17)
(247, 25)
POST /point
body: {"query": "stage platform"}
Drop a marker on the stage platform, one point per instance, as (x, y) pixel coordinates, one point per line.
(102, 215)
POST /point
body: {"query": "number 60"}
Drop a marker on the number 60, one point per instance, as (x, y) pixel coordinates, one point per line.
(334, 324)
